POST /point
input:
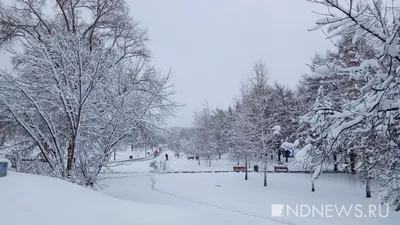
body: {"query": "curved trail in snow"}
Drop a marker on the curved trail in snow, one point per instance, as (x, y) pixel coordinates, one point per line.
(230, 210)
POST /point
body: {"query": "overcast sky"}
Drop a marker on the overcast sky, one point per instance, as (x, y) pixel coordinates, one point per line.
(211, 45)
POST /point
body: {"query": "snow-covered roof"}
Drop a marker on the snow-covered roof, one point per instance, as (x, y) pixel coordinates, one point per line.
(288, 146)
(4, 160)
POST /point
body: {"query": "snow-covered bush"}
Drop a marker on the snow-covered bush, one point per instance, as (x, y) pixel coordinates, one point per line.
(154, 165)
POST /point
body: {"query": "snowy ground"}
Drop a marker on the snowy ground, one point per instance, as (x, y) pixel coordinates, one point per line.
(136, 153)
(37, 200)
(229, 197)
(139, 197)
(183, 164)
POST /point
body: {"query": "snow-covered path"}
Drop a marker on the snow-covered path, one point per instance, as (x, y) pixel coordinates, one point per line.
(229, 210)
(142, 188)
(228, 197)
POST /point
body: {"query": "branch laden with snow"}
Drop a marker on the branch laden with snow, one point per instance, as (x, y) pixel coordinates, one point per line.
(372, 113)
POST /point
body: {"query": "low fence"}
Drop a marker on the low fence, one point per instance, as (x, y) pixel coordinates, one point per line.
(250, 171)
(216, 171)
(134, 160)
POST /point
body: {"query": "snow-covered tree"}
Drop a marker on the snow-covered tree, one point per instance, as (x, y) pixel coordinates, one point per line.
(284, 114)
(203, 138)
(240, 137)
(257, 111)
(211, 129)
(174, 140)
(177, 139)
(220, 127)
(375, 109)
(338, 87)
(80, 84)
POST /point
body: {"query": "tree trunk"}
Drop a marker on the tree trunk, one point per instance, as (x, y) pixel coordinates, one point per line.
(335, 168)
(15, 161)
(3, 139)
(198, 160)
(368, 189)
(115, 154)
(352, 162)
(265, 173)
(71, 152)
(279, 155)
(209, 161)
(219, 155)
(312, 186)
(245, 175)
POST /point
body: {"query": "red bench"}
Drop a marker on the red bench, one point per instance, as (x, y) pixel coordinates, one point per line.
(239, 168)
(281, 168)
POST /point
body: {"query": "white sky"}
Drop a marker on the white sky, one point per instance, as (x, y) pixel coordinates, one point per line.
(211, 45)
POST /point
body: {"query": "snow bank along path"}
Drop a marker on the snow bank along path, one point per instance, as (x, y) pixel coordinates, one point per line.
(37, 200)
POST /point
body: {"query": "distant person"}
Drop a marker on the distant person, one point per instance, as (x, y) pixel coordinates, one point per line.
(166, 156)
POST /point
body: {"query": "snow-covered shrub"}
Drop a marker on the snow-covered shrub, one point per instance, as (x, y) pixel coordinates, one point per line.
(154, 165)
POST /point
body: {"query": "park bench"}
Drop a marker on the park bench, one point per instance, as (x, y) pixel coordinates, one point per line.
(239, 168)
(281, 168)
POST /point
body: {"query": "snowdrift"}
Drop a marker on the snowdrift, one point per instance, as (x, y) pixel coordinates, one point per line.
(37, 200)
